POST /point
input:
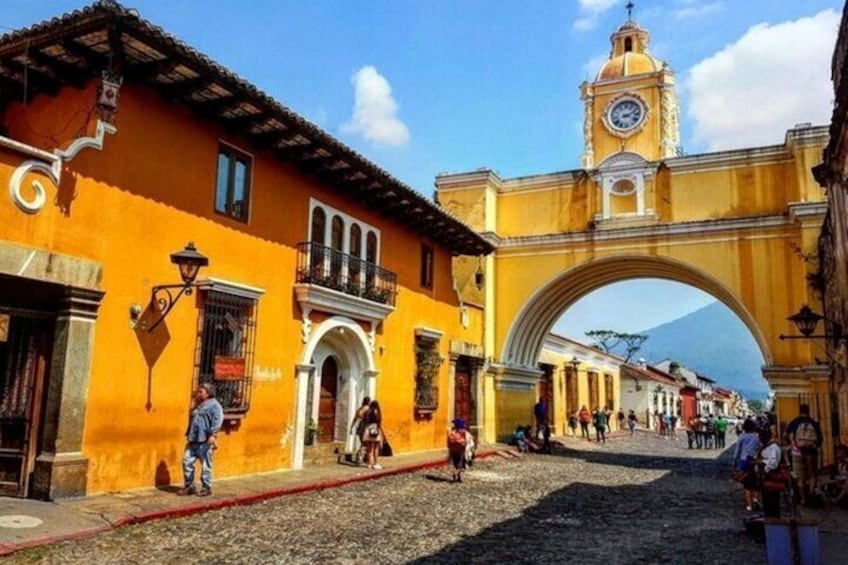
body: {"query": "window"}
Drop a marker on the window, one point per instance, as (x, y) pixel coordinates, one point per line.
(426, 266)
(232, 190)
(593, 390)
(628, 45)
(319, 225)
(226, 342)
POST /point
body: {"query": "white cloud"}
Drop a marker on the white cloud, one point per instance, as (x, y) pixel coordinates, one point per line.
(375, 110)
(591, 10)
(691, 11)
(752, 91)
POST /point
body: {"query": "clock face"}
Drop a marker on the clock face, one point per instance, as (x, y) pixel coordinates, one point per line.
(626, 114)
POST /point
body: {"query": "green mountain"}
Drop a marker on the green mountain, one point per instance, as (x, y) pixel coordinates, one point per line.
(714, 342)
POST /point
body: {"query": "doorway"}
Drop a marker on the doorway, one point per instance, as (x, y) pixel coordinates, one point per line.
(327, 400)
(26, 338)
(463, 405)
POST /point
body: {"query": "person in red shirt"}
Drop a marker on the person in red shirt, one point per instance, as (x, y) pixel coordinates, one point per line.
(585, 417)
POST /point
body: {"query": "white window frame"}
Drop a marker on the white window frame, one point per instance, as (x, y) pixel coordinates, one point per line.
(348, 220)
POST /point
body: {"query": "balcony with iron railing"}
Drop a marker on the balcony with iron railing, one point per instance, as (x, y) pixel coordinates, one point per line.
(337, 282)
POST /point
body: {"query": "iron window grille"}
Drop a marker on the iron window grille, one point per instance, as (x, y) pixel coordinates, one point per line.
(225, 346)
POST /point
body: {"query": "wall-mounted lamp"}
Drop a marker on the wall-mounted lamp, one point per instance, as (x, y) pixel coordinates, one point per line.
(575, 364)
(135, 314)
(806, 321)
(479, 275)
(189, 262)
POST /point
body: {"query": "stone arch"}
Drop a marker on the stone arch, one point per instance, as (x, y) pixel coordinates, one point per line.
(523, 343)
(343, 339)
(352, 339)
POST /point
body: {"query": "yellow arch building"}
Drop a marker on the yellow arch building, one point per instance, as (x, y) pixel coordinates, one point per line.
(741, 225)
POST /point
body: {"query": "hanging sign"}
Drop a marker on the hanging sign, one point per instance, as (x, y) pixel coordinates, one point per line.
(4, 327)
(229, 368)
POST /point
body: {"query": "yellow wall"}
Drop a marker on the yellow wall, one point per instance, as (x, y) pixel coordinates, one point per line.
(143, 197)
(513, 409)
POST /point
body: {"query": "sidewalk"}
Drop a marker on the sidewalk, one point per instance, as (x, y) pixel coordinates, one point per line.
(26, 523)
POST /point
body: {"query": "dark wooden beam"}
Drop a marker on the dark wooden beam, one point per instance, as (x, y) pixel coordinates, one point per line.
(11, 90)
(270, 139)
(118, 55)
(143, 72)
(234, 125)
(37, 81)
(65, 72)
(93, 60)
(213, 108)
(184, 88)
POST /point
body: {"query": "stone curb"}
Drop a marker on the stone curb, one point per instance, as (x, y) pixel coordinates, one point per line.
(243, 500)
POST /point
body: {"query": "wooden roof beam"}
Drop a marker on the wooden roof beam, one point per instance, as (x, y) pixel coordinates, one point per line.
(93, 60)
(213, 108)
(37, 81)
(11, 90)
(66, 72)
(245, 122)
(184, 88)
(270, 139)
(143, 72)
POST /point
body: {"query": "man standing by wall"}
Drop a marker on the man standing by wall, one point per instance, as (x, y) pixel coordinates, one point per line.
(540, 410)
(207, 416)
(806, 437)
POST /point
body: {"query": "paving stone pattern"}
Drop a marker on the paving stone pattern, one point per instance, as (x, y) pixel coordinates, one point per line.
(634, 500)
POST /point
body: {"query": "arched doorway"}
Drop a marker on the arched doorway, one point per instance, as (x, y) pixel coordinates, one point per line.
(335, 373)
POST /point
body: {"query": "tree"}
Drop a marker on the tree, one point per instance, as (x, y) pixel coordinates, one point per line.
(611, 341)
(756, 406)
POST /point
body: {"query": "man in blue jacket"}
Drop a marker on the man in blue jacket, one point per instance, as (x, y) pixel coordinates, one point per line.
(201, 439)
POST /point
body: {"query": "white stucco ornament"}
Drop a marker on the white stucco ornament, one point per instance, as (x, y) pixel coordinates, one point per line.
(50, 164)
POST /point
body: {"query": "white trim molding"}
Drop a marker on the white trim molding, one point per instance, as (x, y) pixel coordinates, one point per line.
(48, 164)
(313, 297)
(428, 333)
(233, 288)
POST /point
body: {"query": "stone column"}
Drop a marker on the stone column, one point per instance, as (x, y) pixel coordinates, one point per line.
(303, 373)
(371, 383)
(61, 469)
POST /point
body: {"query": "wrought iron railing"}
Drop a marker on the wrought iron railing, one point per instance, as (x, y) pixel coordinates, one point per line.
(330, 268)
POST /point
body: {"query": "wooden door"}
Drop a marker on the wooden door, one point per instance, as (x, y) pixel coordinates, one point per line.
(327, 402)
(546, 390)
(463, 404)
(25, 344)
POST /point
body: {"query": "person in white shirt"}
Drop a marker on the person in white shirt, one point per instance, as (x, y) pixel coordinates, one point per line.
(771, 457)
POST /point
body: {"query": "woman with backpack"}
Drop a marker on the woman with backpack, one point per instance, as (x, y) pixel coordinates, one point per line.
(458, 443)
(372, 434)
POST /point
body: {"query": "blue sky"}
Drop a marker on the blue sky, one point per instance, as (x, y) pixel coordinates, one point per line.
(427, 87)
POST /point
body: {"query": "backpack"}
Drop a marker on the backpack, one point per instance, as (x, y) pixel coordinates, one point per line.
(805, 434)
(457, 441)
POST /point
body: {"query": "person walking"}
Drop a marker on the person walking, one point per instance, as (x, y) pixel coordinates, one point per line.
(584, 417)
(356, 429)
(805, 437)
(600, 423)
(747, 447)
(372, 434)
(458, 438)
(206, 419)
(631, 422)
(621, 419)
(572, 423)
(721, 431)
(692, 432)
(608, 412)
(773, 481)
(672, 425)
(540, 411)
(709, 432)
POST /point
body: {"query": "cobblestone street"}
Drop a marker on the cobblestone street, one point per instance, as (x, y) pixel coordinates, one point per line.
(640, 500)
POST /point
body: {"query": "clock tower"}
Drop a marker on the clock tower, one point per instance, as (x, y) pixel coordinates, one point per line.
(631, 105)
